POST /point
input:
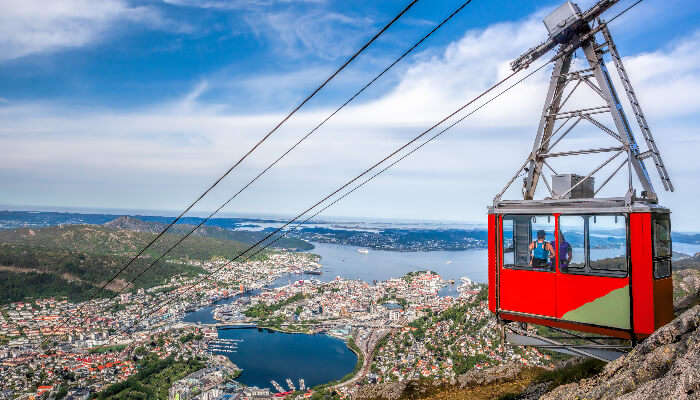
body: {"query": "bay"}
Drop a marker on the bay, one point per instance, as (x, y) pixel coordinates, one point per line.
(265, 355)
(347, 262)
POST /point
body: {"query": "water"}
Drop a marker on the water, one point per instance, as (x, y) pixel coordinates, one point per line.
(347, 262)
(686, 248)
(266, 355)
(205, 315)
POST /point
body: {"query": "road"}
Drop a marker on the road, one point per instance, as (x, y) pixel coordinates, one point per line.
(367, 348)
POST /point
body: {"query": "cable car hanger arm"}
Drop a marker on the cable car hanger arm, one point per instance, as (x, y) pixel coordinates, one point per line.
(558, 33)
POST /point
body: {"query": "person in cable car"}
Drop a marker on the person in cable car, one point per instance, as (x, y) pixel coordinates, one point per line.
(565, 253)
(541, 251)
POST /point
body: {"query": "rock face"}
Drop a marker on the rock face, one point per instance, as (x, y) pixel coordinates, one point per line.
(424, 389)
(665, 366)
(387, 391)
(686, 288)
(497, 374)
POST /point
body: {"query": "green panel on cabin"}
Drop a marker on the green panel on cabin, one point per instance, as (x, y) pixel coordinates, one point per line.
(613, 310)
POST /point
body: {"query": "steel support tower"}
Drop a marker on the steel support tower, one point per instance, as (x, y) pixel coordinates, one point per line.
(570, 30)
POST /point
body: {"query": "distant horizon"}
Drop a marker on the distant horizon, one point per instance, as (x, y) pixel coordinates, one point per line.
(223, 215)
(243, 215)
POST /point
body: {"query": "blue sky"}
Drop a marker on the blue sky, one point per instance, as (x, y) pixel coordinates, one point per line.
(140, 104)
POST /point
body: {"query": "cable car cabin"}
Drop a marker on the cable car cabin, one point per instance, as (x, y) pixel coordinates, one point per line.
(609, 271)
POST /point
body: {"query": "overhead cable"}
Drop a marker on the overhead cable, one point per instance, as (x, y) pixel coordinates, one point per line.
(250, 151)
(366, 181)
(342, 187)
(302, 139)
(263, 139)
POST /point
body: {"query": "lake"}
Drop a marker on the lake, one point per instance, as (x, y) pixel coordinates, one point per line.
(264, 355)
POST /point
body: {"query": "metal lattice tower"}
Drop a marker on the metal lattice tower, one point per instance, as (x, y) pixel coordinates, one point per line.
(570, 29)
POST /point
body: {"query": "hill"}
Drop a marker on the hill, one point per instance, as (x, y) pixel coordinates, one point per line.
(70, 260)
(247, 237)
(687, 263)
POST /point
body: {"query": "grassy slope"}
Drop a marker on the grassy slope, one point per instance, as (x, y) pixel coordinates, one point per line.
(69, 260)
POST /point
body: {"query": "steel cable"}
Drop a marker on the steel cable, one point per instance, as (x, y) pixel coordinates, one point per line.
(302, 139)
(248, 153)
(263, 139)
(342, 187)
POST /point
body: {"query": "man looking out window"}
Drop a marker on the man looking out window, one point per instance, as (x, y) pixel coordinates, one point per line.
(541, 251)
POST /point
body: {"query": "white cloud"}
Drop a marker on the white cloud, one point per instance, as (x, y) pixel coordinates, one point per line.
(37, 26)
(670, 78)
(131, 158)
(321, 33)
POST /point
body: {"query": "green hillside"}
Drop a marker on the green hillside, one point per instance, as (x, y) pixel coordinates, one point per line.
(70, 260)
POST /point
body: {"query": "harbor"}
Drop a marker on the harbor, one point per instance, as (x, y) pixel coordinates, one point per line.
(300, 361)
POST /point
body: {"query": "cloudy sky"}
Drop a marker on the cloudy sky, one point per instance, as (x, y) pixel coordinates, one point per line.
(142, 104)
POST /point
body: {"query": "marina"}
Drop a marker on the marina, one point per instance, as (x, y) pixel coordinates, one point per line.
(268, 357)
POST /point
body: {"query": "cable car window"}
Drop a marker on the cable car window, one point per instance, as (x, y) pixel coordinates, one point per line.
(662, 236)
(607, 242)
(661, 229)
(572, 253)
(528, 241)
(593, 245)
(542, 243)
(508, 249)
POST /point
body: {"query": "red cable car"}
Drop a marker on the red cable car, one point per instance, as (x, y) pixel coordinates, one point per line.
(571, 260)
(623, 291)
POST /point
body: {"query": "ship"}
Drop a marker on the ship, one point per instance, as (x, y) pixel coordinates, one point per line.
(312, 272)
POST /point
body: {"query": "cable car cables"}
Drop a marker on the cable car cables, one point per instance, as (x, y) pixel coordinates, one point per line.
(263, 139)
(302, 139)
(248, 153)
(351, 181)
(366, 181)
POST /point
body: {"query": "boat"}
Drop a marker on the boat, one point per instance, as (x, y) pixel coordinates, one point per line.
(290, 384)
(277, 386)
(363, 251)
(312, 272)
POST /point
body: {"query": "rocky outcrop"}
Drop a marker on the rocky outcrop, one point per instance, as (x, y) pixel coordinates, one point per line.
(665, 366)
(427, 389)
(500, 373)
(686, 289)
(385, 391)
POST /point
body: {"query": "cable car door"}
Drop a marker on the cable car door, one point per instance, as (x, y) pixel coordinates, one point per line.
(593, 284)
(527, 278)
